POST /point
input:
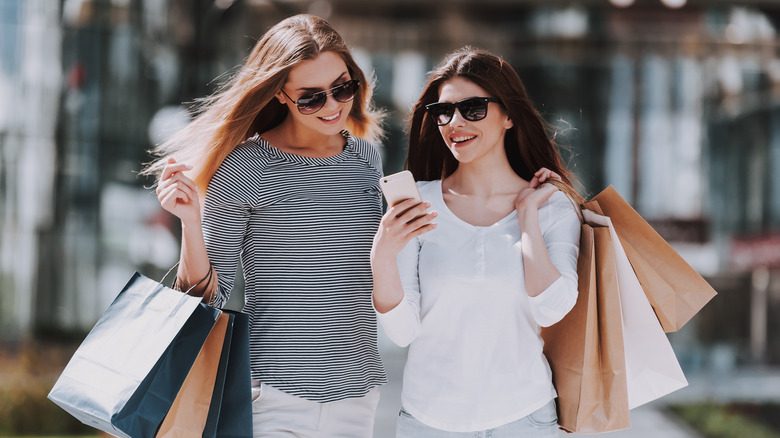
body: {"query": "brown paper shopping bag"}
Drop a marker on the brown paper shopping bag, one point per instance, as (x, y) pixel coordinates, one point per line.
(675, 290)
(585, 349)
(652, 369)
(187, 416)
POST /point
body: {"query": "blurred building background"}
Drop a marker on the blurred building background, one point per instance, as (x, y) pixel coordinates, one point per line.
(676, 103)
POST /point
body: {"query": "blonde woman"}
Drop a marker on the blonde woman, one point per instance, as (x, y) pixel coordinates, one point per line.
(469, 292)
(281, 159)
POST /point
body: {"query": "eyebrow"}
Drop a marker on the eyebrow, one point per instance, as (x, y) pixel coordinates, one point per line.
(332, 84)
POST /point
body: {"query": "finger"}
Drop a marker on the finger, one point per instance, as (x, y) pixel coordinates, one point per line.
(172, 168)
(173, 193)
(412, 213)
(183, 179)
(422, 219)
(544, 173)
(403, 206)
(551, 175)
(179, 180)
(422, 230)
(534, 183)
(547, 189)
(171, 200)
(180, 183)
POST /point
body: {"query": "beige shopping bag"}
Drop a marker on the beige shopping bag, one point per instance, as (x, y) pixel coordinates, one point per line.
(675, 290)
(189, 412)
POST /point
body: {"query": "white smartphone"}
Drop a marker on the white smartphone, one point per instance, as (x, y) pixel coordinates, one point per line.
(399, 186)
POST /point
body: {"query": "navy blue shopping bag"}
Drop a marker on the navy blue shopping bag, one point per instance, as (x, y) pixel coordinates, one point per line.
(230, 413)
(125, 375)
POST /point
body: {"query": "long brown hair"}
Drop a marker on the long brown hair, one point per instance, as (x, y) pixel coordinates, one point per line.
(527, 144)
(245, 104)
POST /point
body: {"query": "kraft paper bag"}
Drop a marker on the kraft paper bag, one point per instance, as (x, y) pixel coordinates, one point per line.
(652, 369)
(675, 290)
(585, 349)
(126, 373)
(189, 411)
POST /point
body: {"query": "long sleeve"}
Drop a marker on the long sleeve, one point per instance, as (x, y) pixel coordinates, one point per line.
(402, 323)
(561, 239)
(225, 221)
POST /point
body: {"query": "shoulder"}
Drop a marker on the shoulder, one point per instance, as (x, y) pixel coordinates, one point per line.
(242, 167)
(558, 207)
(248, 155)
(428, 188)
(366, 150)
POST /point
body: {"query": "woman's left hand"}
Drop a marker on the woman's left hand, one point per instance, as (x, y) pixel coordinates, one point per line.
(537, 191)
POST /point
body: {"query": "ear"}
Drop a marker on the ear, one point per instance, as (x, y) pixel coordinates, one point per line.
(280, 97)
(508, 124)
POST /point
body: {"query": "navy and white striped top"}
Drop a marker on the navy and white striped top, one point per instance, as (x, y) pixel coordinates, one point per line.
(303, 228)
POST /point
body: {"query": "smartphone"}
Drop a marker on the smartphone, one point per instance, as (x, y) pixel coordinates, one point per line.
(399, 186)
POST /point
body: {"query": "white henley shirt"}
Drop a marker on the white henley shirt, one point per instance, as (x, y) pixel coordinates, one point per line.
(475, 358)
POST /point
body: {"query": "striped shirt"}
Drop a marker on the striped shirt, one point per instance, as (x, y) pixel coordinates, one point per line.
(302, 228)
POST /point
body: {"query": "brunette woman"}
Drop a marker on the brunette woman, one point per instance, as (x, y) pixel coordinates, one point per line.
(469, 292)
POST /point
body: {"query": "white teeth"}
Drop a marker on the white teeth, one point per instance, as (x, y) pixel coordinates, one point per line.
(333, 117)
(462, 139)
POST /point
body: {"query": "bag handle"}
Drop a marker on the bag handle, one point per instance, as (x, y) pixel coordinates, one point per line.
(207, 279)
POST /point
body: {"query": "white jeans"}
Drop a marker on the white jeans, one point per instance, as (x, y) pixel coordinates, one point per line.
(276, 414)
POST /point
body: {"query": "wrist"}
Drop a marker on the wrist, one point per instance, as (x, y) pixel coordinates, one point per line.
(528, 214)
(381, 260)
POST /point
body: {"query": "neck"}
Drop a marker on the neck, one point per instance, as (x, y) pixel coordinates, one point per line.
(484, 178)
(294, 136)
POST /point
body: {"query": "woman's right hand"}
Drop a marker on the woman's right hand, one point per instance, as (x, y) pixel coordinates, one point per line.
(177, 193)
(403, 222)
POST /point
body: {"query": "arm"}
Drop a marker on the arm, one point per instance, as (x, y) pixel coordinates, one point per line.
(549, 259)
(393, 254)
(396, 229)
(178, 195)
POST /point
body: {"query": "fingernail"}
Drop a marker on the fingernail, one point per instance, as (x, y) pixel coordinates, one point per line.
(427, 203)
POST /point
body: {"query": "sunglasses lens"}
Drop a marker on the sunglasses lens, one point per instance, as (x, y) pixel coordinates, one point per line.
(311, 103)
(441, 112)
(346, 91)
(473, 109)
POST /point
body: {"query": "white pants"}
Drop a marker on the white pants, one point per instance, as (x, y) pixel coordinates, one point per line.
(276, 414)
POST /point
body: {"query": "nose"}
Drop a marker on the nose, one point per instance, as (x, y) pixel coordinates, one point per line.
(457, 119)
(330, 103)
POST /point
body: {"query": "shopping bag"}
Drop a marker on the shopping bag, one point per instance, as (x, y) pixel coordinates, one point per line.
(230, 413)
(188, 414)
(585, 349)
(125, 375)
(675, 290)
(652, 369)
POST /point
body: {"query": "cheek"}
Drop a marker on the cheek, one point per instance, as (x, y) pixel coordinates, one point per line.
(443, 133)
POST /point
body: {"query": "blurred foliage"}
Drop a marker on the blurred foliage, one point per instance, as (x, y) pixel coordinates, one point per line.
(735, 420)
(27, 374)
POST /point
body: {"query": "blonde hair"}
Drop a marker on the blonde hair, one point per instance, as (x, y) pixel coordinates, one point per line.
(245, 104)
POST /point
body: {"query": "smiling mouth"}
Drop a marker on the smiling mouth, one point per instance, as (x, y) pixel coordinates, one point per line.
(463, 138)
(330, 118)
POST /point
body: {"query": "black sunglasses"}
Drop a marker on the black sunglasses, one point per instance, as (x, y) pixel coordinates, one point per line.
(313, 102)
(471, 108)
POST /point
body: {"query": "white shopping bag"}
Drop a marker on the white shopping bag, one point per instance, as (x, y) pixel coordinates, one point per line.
(652, 369)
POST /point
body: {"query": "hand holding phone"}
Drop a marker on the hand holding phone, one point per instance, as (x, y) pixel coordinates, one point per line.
(398, 187)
